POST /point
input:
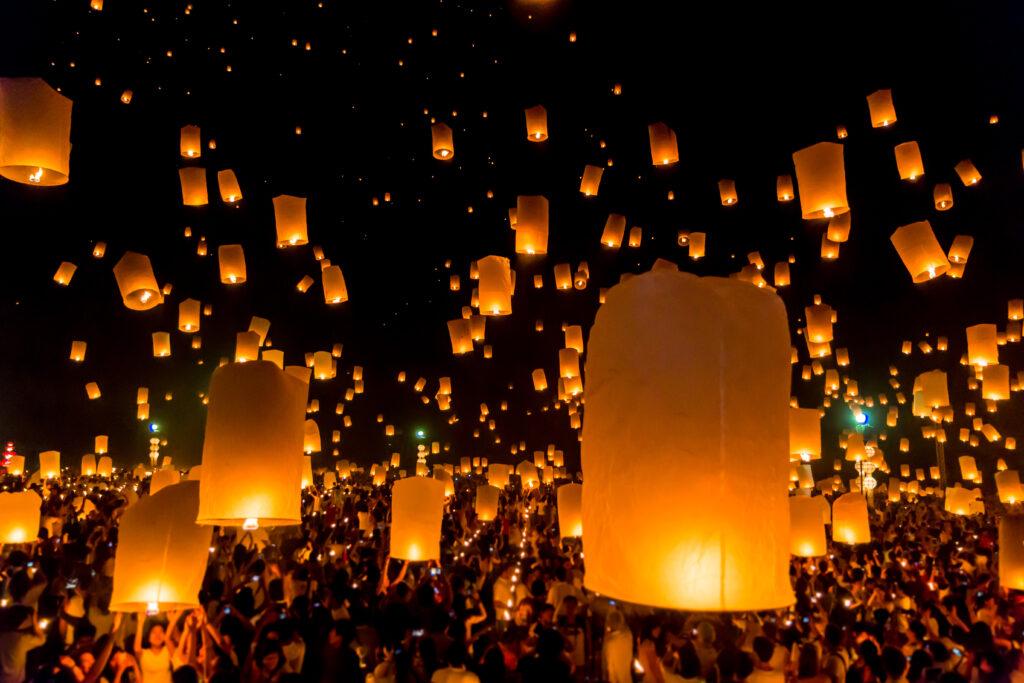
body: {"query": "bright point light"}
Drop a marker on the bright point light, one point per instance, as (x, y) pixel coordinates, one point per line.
(420, 433)
(154, 427)
(861, 418)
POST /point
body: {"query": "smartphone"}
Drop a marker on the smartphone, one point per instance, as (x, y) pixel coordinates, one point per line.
(417, 633)
(435, 571)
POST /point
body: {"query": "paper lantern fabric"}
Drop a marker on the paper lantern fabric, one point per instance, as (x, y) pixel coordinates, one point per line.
(495, 285)
(531, 224)
(161, 552)
(487, 502)
(821, 180)
(850, 519)
(417, 504)
(19, 517)
(804, 434)
(920, 251)
(807, 530)
(35, 132)
(290, 220)
(694, 374)
(252, 467)
(136, 282)
(1011, 552)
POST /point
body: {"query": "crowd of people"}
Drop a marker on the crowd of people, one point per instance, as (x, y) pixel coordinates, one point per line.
(324, 602)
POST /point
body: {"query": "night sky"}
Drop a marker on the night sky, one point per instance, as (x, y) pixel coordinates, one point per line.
(742, 87)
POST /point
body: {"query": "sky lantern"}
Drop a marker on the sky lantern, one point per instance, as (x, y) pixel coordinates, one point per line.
(441, 141)
(540, 381)
(821, 179)
(193, 186)
(664, 150)
(781, 274)
(78, 351)
(188, 316)
(614, 230)
(819, 323)
(161, 552)
(982, 345)
(136, 282)
(839, 227)
(191, 146)
(495, 285)
(728, 343)
(696, 245)
(537, 124)
(311, 442)
(49, 464)
(35, 132)
(247, 346)
(532, 225)
(323, 365)
(943, 196)
(591, 181)
(88, 465)
(933, 388)
(417, 505)
(333, 282)
(1008, 484)
(920, 251)
(727, 192)
(850, 519)
(105, 466)
(230, 192)
(1011, 552)
(64, 273)
(100, 444)
(807, 529)
(252, 450)
(908, 161)
(290, 220)
(960, 249)
(461, 336)
(968, 173)
(231, 261)
(570, 513)
(487, 502)
(19, 517)
(995, 383)
(881, 109)
(784, 188)
(804, 434)
(161, 344)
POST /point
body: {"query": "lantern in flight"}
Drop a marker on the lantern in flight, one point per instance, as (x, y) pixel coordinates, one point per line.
(664, 150)
(532, 225)
(290, 219)
(136, 282)
(441, 140)
(35, 132)
(417, 504)
(495, 285)
(920, 251)
(821, 179)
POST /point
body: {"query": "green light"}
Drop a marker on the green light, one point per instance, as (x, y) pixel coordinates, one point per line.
(420, 433)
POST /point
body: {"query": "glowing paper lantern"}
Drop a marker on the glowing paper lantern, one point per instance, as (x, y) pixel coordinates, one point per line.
(441, 140)
(190, 144)
(161, 552)
(290, 220)
(333, 281)
(311, 442)
(231, 259)
(727, 192)
(495, 285)
(804, 434)
(1011, 552)
(821, 179)
(591, 181)
(967, 172)
(908, 161)
(614, 230)
(78, 351)
(570, 512)
(417, 504)
(961, 248)
(537, 124)
(193, 186)
(161, 344)
(807, 530)
(19, 517)
(230, 192)
(64, 273)
(532, 226)
(850, 519)
(943, 196)
(162, 478)
(920, 251)
(1008, 486)
(188, 316)
(88, 465)
(105, 466)
(49, 464)
(995, 383)
(881, 109)
(982, 345)
(253, 447)
(136, 282)
(664, 150)
(461, 336)
(35, 132)
(247, 346)
(728, 343)
(100, 444)
(784, 188)
(839, 228)
(487, 502)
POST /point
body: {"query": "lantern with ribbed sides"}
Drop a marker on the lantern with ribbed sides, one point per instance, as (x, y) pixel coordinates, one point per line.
(49, 464)
(664, 150)
(290, 220)
(161, 552)
(487, 502)
(495, 285)
(908, 161)
(920, 251)
(1011, 552)
(806, 527)
(537, 124)
(570, 513)
(441, 142)
(35, 132)
(193, 186)
(804, 434)
(850, 519)
(881, 109)
(417, 504)
(136, 282)
(252, 452)
(726, 342)
(784, 188)
(821, 180)
(19, 517)
(231, 259)
(532, 224)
